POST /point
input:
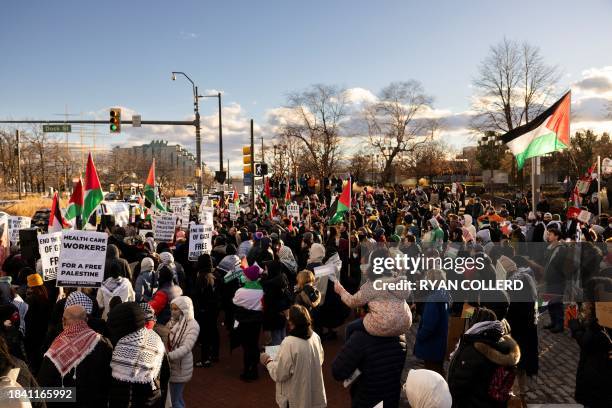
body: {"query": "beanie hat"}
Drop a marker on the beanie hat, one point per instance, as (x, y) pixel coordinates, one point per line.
(81, 299)
(149, 314)
(124, 319)
(252, 272)
(166, 258)
(316, 254)
(34, 280)
(146, 264)
(258, 235)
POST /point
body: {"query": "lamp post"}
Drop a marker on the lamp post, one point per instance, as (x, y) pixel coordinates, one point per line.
(196, 110)
(221, 174)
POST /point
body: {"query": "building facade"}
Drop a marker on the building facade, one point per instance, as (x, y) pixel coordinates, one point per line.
(169, 158)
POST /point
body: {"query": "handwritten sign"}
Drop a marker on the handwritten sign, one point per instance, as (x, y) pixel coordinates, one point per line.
(15, 224)
(293, 211)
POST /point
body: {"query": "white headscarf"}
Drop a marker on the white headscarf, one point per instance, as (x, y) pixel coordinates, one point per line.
(427, 389)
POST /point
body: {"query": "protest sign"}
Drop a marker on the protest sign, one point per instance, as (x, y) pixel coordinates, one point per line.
(230, 276)
(4, 237)
(293, 210)
(163, 225)
(196, 241)
(325, 270)
(143, 232)
(120, 210)
(49, 246)
(233, 210)
(15, 224)
(82, 259)
(272, 351)
(206, 215)
(584, 216)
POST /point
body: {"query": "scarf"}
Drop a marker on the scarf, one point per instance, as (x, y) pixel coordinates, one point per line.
(137, 357)
(253, 285)
(75, 343)
(177, 333)
(286, 257)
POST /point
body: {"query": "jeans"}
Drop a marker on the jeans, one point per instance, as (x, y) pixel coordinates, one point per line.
(277, 336)
(176, 395)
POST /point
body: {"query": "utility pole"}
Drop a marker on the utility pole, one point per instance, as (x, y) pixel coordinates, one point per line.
(228, 175)
(18, 164)
(252, 170)
(220, 136)
(262, 150)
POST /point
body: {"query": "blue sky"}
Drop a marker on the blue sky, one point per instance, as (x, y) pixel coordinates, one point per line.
(92, 55)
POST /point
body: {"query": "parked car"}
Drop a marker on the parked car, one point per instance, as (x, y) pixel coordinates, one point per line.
(112, 196)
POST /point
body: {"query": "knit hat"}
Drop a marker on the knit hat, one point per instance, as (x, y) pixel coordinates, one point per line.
(252, 272)
(258, 235)
(81, 299)
(166, 258)
(124, 319)
(34, 280)
(146, 264)
(425, 388)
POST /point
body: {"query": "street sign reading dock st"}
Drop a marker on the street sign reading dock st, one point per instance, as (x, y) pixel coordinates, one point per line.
(57, 128)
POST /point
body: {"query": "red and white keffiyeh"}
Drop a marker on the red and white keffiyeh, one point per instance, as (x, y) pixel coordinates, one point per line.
(72, 346)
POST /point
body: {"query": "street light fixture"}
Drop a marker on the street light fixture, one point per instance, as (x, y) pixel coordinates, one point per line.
(196, 110)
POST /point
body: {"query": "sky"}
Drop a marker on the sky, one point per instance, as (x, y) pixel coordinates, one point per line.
(85, 57)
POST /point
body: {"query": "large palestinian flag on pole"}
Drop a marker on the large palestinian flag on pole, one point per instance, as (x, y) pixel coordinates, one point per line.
(56, 219)
(547, 133)
(93, 190)
(75, 205)
(150, 191)
(341, 205)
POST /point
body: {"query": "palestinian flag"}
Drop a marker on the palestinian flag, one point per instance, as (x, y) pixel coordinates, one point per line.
(93, 190)
(266, 196)
(150, 191)
(236, 198)
(75, 205)
(288, 195)
(341, 206)
(56, 219)
(547, 133)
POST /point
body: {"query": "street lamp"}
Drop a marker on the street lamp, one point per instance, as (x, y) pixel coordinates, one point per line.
(196, 110)
(221, 177)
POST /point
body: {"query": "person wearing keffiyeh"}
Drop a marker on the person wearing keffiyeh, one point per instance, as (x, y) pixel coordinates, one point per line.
(79, 357)
(139, 377)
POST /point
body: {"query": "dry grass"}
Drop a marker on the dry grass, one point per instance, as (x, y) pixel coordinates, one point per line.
(28, 206)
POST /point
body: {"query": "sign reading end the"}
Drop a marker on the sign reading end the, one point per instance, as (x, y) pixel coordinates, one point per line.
(57, 128)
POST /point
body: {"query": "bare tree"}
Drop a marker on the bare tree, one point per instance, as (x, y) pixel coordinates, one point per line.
(317, 115)
(513, 86)
(394, 125)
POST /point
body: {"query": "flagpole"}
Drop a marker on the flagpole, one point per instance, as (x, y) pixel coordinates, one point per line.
(350, 220)
(598, 187)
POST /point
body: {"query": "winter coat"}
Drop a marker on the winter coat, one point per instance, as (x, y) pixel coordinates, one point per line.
(380, 360)
(389, 314)
(556, 269)
(145, 282)
(594, 366)
(276, 299)
(27, 380)
(36, 320)
(297, 373)
(91, 377)
(184, 334)
(431, 337)
(473, 366)
(112, 287)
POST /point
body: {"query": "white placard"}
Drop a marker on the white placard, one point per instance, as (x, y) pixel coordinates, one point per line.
(16, 223)
(232, 208)
(163, 225)
(584, 216)
(293, 210)
(120, 210)
(207, 215)
(143, 233)
(49, 246)
(325, 270)
(4, 236)
(197, 244)
(82, 258)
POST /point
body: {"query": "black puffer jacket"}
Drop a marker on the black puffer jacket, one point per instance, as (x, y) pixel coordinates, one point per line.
(112, 257)
(473, 367)
(380, 360)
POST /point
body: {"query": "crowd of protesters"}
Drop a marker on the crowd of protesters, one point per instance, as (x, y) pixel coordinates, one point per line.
(130, 342)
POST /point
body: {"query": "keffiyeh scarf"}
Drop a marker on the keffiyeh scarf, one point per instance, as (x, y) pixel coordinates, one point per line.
(137, 358)
(75, 343)
(286, 257)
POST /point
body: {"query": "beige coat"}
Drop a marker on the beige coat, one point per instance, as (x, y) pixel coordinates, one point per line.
(298, 374)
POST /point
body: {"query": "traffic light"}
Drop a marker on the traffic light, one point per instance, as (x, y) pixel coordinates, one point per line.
(247, 159)
(115, 120)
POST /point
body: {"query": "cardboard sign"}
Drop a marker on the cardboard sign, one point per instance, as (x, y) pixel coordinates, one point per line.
(49, 246)
(15, 224)
(293, 211)
(82, 259)
(603, 312)
(163, 225)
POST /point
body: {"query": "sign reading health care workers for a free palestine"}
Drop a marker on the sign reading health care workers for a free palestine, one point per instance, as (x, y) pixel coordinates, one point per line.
(82, 259)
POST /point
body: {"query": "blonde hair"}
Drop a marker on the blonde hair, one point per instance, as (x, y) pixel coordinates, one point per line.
(304, 278)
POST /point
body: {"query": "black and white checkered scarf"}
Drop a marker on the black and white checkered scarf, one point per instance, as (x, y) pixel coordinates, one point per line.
(137, 358)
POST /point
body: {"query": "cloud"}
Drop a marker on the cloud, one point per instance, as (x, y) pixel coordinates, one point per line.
(596, 80)
(185, 35)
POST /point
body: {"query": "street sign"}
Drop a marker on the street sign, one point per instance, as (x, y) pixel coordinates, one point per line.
(57, 128)
(247, 179)
(136, 120)
(261, 169)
